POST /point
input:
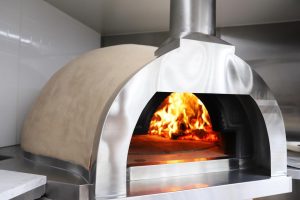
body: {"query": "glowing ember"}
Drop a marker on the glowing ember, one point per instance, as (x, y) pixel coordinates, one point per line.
(183, 116)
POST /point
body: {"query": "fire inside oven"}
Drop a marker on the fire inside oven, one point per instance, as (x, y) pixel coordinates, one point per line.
(188, 127)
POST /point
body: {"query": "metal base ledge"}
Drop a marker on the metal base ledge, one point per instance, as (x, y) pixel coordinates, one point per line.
(238, 191)
(294, 173)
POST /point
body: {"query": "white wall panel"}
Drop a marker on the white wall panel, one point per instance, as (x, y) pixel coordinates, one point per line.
(36, 40)
(34, 73)
(8, 98)
(9, 66)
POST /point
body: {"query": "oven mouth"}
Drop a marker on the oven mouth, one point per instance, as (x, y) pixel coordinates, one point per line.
(235, 119)
(180, 130)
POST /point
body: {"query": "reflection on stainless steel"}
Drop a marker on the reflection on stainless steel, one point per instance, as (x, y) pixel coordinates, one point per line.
(201, 17)
(196, 67)
(250, 187)
(181, 169)
(286, 89)
(52, 162)
(291, 116)
(191, 19)
(273, 51)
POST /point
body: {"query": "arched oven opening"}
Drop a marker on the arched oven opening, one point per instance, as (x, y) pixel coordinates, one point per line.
(186, 134)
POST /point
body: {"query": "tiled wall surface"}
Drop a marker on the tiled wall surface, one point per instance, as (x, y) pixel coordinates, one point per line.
(36, 40)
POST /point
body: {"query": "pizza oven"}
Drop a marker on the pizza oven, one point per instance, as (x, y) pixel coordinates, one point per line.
(187, 120)
(197, 119)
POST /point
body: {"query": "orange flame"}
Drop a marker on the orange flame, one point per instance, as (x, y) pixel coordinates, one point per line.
(183, 116)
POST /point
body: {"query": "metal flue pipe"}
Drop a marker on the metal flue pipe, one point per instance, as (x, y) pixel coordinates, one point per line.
(190, 16)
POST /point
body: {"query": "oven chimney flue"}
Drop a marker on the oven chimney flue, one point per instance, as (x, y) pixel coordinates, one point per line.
(193, 19)
(192, 16)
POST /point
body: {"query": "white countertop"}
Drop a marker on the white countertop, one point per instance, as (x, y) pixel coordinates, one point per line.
(13, 184)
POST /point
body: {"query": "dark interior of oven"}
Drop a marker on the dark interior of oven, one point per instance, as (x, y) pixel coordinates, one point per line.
(237, 119)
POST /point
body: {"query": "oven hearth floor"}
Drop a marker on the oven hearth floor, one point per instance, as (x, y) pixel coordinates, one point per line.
(153, 150)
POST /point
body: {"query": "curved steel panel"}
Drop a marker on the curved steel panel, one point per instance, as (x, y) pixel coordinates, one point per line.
(197, 67)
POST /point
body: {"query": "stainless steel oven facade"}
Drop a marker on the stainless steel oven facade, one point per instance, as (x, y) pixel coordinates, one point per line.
(197, 67)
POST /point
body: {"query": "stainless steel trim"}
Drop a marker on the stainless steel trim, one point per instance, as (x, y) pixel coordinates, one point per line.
(173, 43)
(191, 19)
(236, 191)
(60, 164)
(61, 191)
(181, 169)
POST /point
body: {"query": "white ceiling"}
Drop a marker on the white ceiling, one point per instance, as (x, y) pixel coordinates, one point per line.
(113, 17)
